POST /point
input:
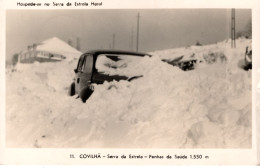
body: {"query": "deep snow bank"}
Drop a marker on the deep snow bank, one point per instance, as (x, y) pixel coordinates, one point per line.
(207, 107)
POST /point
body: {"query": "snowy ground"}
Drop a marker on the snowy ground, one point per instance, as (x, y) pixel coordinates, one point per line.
(209, 107)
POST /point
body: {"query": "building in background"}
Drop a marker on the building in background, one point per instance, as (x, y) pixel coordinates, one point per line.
(50, 50)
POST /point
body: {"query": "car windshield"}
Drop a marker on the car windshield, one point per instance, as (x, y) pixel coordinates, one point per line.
(122, 65)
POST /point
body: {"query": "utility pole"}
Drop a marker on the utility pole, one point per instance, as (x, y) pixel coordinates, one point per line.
(233, 29)
(137, 35)
(113, 44)
(70, 42)
(78, 44)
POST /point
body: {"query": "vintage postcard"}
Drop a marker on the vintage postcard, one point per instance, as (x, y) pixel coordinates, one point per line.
(130, 82)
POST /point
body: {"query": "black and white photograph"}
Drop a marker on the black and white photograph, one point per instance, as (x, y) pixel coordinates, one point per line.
(137, 78)
(159, 78)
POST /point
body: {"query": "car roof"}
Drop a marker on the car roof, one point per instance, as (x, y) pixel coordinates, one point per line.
(97, 52)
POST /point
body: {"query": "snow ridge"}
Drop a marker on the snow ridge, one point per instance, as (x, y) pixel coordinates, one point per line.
(209, 107)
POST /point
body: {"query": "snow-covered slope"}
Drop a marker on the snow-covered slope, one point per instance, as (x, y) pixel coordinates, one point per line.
(209, 107)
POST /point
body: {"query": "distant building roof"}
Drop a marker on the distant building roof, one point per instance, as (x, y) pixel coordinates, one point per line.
(57, 46)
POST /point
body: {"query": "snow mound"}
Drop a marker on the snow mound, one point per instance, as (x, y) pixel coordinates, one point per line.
(209, 107)
(125, 65)
(208, 54)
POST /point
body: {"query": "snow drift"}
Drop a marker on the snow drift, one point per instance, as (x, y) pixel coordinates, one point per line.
(126, 65)
(209, 107)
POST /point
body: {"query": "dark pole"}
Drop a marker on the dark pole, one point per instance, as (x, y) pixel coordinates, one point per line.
(233, 29)
(137, 38)
(78, 44)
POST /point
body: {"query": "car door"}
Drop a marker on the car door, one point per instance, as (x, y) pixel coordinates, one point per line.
(84, 72)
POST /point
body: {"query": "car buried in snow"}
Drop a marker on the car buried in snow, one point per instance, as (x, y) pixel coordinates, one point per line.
(98, 66)
(183, 63)
(248, 58)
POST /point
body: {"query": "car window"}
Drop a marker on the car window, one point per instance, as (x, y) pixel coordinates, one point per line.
(88, 64)
(122, 65)
(80, 64)
(85, 64)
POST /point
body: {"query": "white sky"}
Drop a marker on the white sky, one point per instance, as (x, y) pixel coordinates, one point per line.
(159, 28)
